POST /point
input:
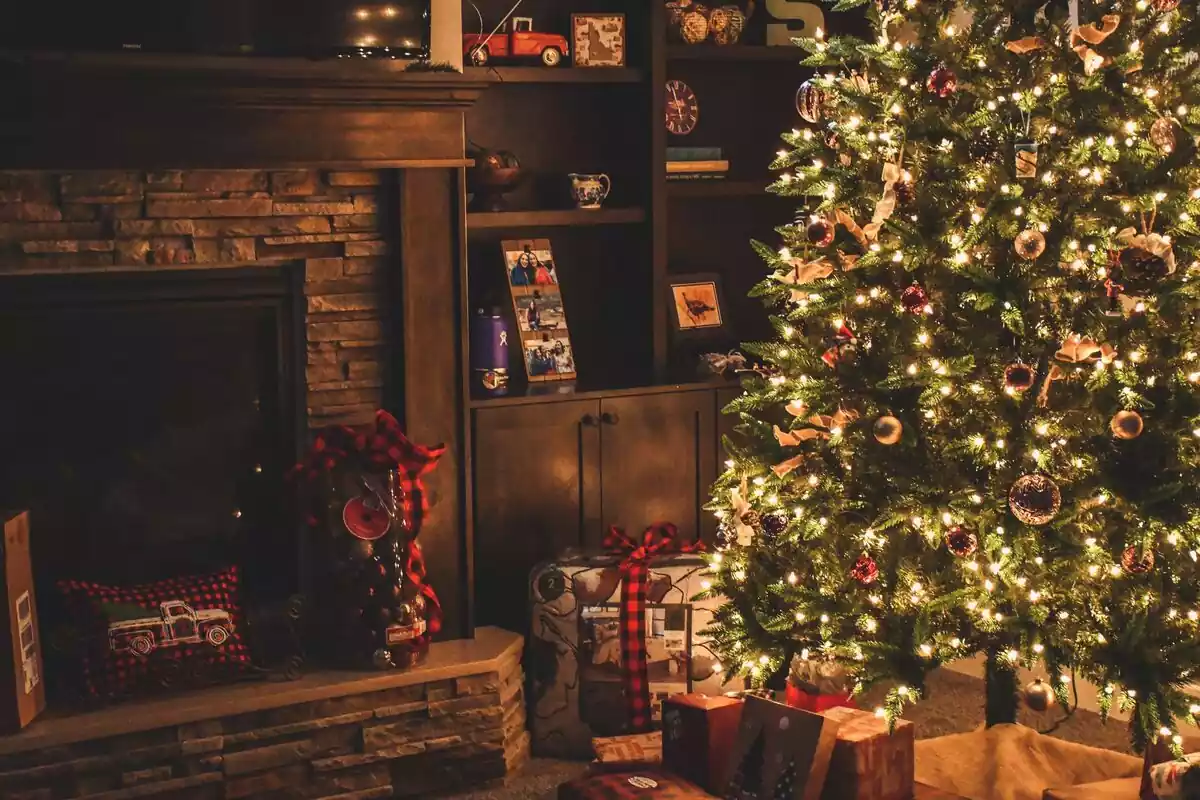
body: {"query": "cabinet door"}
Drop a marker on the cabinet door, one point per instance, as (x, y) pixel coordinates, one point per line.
(537, 491)
(658, 459)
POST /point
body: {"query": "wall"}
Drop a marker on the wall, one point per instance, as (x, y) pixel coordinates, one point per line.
(188, 219)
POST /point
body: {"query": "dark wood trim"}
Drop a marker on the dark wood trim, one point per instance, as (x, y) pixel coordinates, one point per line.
(467, 506)
(431, 307)
(658, 191)
(556, 75)
(554, 218)
(594, 394)
(720, 188)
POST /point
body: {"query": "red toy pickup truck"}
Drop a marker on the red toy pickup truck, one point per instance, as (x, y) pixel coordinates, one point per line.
(516, 40)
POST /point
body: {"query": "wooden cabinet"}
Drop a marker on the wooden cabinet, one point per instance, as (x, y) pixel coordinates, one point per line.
(553, 475)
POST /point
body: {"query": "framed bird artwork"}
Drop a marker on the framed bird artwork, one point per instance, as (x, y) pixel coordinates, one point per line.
(696, 303)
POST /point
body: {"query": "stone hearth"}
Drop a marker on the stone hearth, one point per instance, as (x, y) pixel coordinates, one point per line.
(174, 219)
(456, 721)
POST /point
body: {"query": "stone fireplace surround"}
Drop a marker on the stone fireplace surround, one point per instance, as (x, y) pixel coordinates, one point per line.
(130, 162)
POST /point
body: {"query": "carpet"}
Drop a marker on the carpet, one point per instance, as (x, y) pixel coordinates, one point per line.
(953, 704)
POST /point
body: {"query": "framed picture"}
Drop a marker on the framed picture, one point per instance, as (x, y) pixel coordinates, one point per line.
(598, 40)
(538, 305)
(696, 303)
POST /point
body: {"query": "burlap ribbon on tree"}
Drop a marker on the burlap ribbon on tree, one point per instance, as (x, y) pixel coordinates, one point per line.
(658, 539)
(1075, 349)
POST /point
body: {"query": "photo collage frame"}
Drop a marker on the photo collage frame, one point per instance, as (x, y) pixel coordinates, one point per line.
(538, 305)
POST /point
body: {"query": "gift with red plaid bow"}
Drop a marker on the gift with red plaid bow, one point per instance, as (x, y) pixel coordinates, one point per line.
(614, 634)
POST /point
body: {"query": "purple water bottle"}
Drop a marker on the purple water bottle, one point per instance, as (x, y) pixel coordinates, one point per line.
(489, 349)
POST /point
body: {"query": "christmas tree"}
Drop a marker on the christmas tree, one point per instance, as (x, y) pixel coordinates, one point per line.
(977, 430)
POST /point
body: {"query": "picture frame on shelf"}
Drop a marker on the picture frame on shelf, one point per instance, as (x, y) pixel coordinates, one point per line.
(697, 306)
(532, 278)
(598, 40)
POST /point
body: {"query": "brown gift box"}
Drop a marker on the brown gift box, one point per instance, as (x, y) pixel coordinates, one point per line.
(698, 733)
(628, 751)
(642, 783)
(22, 690)
(869, 763)
(780, 752)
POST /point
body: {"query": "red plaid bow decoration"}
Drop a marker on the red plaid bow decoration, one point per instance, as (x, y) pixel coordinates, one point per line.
(386, 447)
(658, 539)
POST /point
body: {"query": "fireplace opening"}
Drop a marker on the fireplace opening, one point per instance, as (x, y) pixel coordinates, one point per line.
(148, 422)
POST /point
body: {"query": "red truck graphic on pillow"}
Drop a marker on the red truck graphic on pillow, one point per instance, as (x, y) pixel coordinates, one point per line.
(176, 623)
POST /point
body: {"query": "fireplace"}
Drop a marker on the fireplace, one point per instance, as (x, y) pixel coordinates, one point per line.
(151, 422)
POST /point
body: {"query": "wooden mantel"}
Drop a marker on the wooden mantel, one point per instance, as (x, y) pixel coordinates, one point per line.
(134, 110)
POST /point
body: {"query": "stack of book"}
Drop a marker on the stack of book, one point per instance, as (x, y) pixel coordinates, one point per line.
(696, 164)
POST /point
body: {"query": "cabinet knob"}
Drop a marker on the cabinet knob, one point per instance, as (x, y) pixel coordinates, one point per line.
(609, 418)
(590, 420)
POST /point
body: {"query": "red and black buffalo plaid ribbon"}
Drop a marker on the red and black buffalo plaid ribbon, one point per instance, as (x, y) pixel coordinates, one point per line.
(658, 539)
(383, 448)
(386, 447)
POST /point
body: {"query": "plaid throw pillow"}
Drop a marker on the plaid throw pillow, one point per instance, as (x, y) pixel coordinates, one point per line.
(178, 631)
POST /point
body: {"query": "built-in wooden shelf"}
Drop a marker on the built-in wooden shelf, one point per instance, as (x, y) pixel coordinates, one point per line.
(565, 391)
(564, 217)
(555, 74)
(719, 188)
(734, 52)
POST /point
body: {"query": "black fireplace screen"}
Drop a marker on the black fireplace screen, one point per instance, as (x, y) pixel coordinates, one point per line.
(148, 421)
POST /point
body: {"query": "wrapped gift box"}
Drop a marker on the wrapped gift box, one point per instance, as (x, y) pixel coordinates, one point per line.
(780, 752)
(869, 763)
(626, 752)
(698, 733)
(574, 655)
(642, 783)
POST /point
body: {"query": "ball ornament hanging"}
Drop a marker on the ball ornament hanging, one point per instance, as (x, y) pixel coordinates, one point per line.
(1163, 6)
(942, 81)
(1037, 695)
(961, 542)
(1136, 561)
(1034, 499)
(774, 523)
(1019, 377)
(820, 231)
(865, 570)
(1029, 244)
(1127, 425)
(1162, 134)
(887, 429)
(810, 101)
(914, 299)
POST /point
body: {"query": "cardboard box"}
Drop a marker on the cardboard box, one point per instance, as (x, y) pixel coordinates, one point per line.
(780, 752)
(698, 733)
(869, 763)
(22, 690)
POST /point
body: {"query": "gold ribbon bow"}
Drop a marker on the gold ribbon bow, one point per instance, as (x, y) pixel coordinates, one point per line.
(822, 428)
(884, 208)
(1026, 45)
(803, 272)
(1090, 35)
(784, 467)
(1076, 349)
(740, 505)
(1154, 243)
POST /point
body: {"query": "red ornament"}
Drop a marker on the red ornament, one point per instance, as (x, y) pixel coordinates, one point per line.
(942, 81)
(914, 299)
(961, 541)
(1137, 563)
(843, 343)
(820, 232)
(865, 570)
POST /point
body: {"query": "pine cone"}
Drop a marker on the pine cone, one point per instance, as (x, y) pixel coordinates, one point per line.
(904, 192)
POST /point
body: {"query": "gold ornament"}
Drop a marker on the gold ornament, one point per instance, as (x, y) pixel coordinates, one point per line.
(1030, 244)
(1038, 696)
(1034, 499)
(693, 27)
(1162, 134)
(1127, 425)
(888, 430)
(726, 24)
(1136, 561)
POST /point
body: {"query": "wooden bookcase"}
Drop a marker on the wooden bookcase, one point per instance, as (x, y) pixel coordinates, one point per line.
(637, 437)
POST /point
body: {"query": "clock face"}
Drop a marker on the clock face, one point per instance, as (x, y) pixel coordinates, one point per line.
(682, 108)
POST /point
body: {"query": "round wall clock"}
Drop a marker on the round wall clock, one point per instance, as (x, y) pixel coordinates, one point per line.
(682, 108)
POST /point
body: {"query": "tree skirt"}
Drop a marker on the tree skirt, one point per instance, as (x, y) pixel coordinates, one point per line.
(1012, 762)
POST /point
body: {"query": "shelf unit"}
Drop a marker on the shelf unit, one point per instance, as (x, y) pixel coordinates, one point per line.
(616, 263)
